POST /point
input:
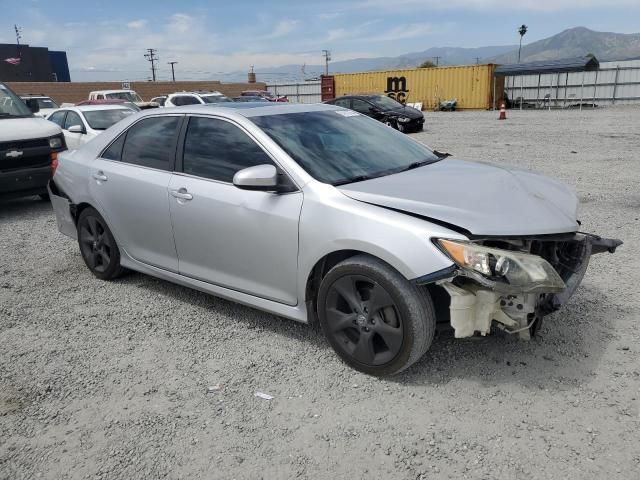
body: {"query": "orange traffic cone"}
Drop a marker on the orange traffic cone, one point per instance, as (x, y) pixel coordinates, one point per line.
(503, 113)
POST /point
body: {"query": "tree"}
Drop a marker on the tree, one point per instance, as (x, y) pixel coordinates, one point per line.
(427, 64)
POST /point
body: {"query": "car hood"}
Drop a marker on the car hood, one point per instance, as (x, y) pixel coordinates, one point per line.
(483, 199)
(409, 112)
(26, 128)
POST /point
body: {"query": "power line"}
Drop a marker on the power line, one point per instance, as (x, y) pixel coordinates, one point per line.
(173, 73)
(152, 57)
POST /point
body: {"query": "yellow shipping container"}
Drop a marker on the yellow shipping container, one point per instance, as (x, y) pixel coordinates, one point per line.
(471, 85)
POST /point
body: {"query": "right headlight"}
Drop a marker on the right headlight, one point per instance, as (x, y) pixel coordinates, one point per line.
(518, 271)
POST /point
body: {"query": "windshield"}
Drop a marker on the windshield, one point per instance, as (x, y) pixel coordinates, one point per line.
(128, 96)
(46, 103)
(103, 119)
(215, 98)
(384, 103)
(11, 105)
(339, 147)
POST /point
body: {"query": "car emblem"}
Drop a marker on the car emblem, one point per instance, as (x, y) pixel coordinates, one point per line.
(14, 154)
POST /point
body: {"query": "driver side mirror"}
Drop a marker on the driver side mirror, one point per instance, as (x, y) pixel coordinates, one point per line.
(264, 178)
(32, 103)
(76, 129)
(374, 110)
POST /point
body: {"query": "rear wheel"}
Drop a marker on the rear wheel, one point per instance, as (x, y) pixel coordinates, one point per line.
(377, 321)
(97, 245)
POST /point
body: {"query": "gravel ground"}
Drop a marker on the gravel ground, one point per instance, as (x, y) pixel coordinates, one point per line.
(111, 380)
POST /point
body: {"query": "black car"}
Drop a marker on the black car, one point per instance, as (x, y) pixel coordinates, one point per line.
(385, 109)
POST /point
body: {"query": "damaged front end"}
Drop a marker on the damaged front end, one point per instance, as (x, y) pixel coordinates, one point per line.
(512, 283)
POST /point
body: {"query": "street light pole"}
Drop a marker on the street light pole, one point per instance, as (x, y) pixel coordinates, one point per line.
(173, 73)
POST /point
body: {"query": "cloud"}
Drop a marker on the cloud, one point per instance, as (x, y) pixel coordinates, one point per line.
(282, 29)
(405, 31)
(137, 24)
(537, 5)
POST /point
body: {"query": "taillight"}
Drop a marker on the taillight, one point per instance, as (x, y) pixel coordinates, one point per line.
(54, 163)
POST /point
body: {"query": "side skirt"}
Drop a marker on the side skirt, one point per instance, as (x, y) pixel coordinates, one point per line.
(297, 313)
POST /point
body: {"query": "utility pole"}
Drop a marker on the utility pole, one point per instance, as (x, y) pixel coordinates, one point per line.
(522, 30)
(437, 59)
(477, 60)
(173, 73)
(153, 58)
(327, 57)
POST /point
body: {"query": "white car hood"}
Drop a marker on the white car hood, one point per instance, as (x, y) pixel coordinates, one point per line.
(26, 128)
(480, 198)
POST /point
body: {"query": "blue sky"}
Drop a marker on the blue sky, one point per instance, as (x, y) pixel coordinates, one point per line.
(107, 39)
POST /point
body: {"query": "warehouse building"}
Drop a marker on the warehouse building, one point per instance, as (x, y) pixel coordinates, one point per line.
(23, 63)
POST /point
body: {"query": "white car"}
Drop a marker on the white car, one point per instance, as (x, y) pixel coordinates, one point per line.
(45, 104)
(180, 99)
(81, 124)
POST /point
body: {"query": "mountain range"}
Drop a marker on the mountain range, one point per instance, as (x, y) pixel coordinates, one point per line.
(578, 41)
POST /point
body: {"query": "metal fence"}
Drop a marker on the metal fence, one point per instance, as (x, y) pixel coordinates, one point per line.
(614, 83)
(305, 92)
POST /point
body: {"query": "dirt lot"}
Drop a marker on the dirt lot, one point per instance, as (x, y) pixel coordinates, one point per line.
(111, 380)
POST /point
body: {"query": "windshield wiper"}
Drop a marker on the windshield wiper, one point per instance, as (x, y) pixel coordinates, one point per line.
(359, 178)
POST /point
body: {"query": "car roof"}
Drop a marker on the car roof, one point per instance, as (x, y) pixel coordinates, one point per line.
(93, 108)
(113, 91)
(246, 109)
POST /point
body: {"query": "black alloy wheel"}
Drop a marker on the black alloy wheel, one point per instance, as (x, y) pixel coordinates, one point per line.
(364, 320)
(97, 245)
(375, 319)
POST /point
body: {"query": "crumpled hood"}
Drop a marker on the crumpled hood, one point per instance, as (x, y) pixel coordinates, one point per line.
(26, 128)
(481, 198)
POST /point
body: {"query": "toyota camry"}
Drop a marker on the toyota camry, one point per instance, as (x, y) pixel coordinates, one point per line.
(316, 212)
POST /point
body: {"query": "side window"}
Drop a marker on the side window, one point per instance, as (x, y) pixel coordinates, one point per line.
(151, 142)
(72, 119)
(216, 149)
(360, 106)
(100, 97)
(342, 102)
(58, 118)
(114, 152)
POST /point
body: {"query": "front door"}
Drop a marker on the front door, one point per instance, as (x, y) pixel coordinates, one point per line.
(130, 182)
(74, 140)
(242, 240)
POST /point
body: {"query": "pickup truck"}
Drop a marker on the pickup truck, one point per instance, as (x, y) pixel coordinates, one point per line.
(29, 147)
(126, 95)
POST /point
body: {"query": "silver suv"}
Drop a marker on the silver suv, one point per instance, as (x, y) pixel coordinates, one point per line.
(319, 212)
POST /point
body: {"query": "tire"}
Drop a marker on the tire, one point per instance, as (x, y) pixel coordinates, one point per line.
(44, 197)
(98, 247)
(376, 320)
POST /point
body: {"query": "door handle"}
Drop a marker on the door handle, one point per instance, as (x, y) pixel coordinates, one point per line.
(182, 194)
(100, 176)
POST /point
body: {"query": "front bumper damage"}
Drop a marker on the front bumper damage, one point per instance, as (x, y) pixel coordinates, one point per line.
(478, 303)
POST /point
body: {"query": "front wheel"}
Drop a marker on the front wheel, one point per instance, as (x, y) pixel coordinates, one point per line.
(98, 246)
(376, 320)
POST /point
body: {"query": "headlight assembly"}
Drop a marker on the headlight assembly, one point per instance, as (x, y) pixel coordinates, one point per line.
(404, 119)
(55, 142)
(514, 271)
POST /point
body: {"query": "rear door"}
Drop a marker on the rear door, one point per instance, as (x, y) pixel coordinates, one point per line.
(243, 240)
(130, 182)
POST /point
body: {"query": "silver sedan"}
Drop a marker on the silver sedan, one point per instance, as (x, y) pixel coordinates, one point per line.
(320, 213)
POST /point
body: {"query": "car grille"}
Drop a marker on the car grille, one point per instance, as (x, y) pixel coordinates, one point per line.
(35, 153)
(22, 144)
